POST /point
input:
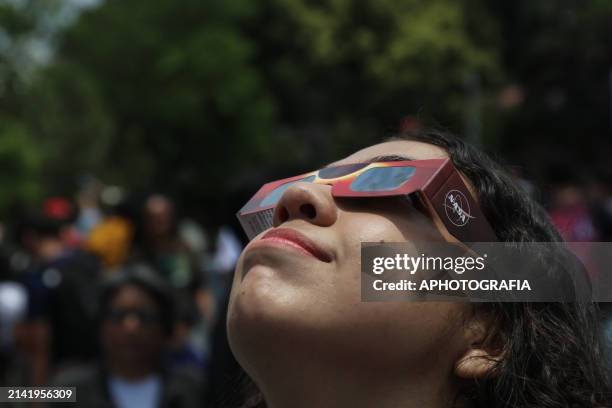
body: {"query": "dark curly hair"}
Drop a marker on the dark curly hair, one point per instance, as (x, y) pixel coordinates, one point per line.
(553, 355)
(553, 352)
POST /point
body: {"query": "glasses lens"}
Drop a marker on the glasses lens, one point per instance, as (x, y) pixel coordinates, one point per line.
(276, 194)
(339, 171)
(382, 179)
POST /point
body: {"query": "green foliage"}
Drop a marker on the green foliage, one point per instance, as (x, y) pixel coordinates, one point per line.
(72, 125)
(165, 95)
(154, 94)
(15, 22)
(363, 65)
(20, 161)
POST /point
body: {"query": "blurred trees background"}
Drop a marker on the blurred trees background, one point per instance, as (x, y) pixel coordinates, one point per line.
(205, 99)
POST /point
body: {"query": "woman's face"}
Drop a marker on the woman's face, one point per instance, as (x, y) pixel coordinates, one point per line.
(285, 301)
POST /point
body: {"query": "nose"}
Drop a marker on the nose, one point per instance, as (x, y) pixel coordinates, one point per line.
(307, 201)
(131, 324)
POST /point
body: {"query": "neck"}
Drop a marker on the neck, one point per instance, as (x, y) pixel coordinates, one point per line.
(323, 386)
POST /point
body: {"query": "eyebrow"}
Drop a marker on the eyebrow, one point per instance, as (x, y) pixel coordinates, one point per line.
(382, 158)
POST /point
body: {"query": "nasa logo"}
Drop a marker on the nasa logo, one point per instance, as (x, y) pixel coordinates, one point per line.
(457, 208)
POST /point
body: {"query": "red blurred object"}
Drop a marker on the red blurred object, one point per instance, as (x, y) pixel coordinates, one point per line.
(57, 208)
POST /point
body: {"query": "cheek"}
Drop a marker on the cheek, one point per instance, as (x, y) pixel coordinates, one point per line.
(393, 226)
(404, 337)
(404, 330)
(391, 221)
(353, 229)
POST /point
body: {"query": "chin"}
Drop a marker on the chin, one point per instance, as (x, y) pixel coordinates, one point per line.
(260, 302)
(268, 315)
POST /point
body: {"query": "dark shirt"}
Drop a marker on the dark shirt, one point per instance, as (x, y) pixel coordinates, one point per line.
(180, 389)
(63, 292)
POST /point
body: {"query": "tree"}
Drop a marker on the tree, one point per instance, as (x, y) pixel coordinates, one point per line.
(162, 94)
(156, 94)
(20, 158)
(348, 71)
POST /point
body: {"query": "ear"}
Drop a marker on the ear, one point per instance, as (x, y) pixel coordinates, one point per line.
(483, 352)
(476, 363)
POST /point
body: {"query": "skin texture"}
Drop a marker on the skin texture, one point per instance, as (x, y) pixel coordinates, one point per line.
(297, 324)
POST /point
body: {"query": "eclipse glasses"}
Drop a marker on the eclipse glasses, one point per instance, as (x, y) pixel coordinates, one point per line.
(434, 185)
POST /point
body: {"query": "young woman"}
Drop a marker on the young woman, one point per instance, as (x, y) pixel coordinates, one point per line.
(298, 327)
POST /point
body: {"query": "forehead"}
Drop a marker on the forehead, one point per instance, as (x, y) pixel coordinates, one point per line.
(410, 149)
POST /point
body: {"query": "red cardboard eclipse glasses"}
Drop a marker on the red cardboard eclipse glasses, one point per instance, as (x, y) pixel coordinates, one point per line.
(435, 185)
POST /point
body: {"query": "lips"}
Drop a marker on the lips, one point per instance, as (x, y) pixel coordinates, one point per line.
(292, 238)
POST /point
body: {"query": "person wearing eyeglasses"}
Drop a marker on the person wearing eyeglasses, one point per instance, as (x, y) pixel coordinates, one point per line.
(136, 322)
(298, 327)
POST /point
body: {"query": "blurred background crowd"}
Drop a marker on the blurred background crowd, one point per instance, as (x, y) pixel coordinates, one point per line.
(132, 131)
(125, 294)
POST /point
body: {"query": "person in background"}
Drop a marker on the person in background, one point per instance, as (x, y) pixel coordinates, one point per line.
(599, 196)
(220, 263)
(88, 201)
(135, 325)
(13, 307)
(61, 286)
(574, 219)
(571, 214)
(112, 238)
(159, 245)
